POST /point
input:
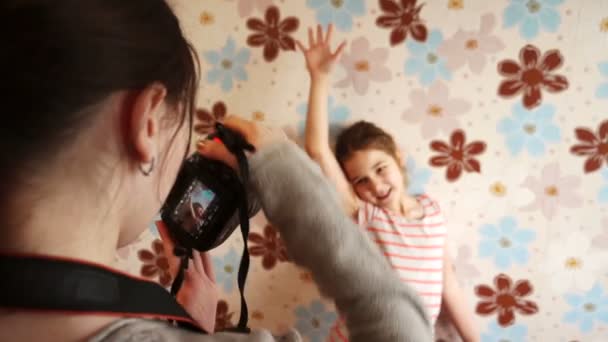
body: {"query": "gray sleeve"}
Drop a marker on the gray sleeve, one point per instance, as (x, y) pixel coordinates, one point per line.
(151, 330)
(304, 207)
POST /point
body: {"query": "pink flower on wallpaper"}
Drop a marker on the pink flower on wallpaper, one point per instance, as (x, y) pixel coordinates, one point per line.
(601, 240)
(434, 110)
(246, 7)
(463, 263)
(472, 47)
(553, 190)
(364, 66)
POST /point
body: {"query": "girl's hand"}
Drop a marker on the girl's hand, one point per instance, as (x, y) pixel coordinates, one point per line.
(198, 293)
(319, 58)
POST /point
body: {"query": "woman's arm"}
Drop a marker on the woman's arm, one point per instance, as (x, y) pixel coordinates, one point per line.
(456, 305)
(319, 62)
(305, 208)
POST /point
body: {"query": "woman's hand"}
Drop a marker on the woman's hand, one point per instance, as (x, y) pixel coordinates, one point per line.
(256, 134)
(198, 293)
(319, 58)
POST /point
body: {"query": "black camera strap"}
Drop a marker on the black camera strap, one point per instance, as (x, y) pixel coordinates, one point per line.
(245, 259)
(237, 146)
(50, 284)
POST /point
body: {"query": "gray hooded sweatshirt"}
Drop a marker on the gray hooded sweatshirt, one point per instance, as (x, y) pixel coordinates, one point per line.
(300, 202)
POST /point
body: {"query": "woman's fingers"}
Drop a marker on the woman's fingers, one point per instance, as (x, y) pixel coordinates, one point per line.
(255, 134)
(217, 151)
(197, 262)
(208, 266)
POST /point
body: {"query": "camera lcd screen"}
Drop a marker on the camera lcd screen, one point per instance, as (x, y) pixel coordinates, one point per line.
(190, 212)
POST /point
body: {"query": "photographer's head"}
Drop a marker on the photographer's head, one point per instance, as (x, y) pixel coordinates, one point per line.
(96, 95)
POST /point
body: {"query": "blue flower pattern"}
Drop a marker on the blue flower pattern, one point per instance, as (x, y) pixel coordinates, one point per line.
(602, 196)
(587, 308)
(532, 15)
(338, 12)
(227, 65)
(524, 132)
(418, 177)
(602, 90)
(505, 242)
(337, 114)
(514, 333)
(530, 129)
(315, 321)
(425, 61)
(226, 268)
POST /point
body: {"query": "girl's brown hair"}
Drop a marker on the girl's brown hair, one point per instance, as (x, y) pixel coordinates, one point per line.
(364, 135)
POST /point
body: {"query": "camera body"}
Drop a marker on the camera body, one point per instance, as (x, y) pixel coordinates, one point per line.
(201, 208)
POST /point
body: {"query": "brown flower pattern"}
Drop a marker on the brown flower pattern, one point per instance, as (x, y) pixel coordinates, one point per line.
(272, 33)
(457, 155)
(206, 119)
(402, 17)
(155, 263)
(593, 146)
(533, 75)
(270, 247)
(223, 317)
(505, 299)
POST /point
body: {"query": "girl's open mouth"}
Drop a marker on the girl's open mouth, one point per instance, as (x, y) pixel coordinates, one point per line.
(385, 196)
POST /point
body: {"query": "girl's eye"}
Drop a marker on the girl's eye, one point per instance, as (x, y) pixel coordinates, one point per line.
(381, 169)
(361, 181)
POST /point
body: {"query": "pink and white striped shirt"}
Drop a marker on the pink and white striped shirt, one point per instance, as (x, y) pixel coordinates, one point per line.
(414, 248)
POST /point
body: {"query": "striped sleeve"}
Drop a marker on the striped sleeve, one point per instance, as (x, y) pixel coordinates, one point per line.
(365, 214)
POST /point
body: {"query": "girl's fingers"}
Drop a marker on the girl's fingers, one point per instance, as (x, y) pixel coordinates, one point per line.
(319, 34)
(339, 50)
(330, 31)
(300, 46)
(311, 38)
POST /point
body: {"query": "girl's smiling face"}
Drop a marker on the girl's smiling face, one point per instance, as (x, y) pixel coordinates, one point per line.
(376, 177)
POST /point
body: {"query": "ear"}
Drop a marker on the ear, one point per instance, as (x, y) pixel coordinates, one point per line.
(143, 121)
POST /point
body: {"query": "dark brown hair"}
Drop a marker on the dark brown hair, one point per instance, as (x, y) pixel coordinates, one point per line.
(60, 57)
(364, 135)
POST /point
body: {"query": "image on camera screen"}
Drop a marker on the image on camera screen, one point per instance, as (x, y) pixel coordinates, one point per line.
(190, 212)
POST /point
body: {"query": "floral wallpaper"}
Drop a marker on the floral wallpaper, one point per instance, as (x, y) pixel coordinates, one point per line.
(501, 109)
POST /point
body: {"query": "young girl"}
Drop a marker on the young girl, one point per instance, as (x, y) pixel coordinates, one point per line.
(367, 171)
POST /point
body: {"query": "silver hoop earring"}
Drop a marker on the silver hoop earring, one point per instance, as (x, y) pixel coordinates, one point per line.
(149, 170)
